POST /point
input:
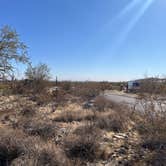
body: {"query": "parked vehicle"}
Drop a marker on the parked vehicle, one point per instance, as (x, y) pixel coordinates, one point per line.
(133, 86)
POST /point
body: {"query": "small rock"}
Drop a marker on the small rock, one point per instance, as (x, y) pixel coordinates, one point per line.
(122, 151)
(118, 136)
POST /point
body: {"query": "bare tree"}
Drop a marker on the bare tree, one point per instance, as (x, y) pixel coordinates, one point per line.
(38, 77)
(12, 50)
(39, 72)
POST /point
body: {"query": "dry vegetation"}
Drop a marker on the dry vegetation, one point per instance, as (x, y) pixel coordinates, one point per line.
(54, 128)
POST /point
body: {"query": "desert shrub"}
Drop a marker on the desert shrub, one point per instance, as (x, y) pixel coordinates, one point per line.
(66, 85)
(44, 130)
(36, 82)
(20, 87)
(84, 146)
(151, 125)
(112, 122)
(88, 128)
(153, 86)
(37, 77)
(10, 149)
(4, 86)
(117, 117)
(17, 149)
(86, 90)
(42, 99)
(28, 87)
(28, 111)
(82, 149)
(38, 86)
(51, 155)
(86, 93)
(46, 157)
(153, 135)
(70, 116)
(105, 86)
(152, 121)
(60, 97)
(156, 159)
(101, 103)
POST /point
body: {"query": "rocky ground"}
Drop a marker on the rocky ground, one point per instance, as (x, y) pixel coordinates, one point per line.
(43, 126)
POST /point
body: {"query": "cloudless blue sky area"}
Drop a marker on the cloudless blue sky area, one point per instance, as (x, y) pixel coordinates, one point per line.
(92, 39)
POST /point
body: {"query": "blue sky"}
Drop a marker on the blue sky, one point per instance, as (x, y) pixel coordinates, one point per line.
(92, 39)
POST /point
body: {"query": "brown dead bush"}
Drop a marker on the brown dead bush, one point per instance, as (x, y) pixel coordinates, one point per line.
(85, 145)
(28, 111)
(102, 104)
(10, 149)
(70, 116)
(89, 128)
(151, 125)
(112, 122)
(44, 130)
(51, 156)
(152, 121)
(157, 158)
(86, 90)
(17, 149)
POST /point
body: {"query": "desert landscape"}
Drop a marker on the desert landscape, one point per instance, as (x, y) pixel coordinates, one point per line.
(77, 125)
(82, 83)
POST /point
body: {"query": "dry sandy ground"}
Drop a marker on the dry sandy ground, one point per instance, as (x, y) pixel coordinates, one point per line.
(116, 148)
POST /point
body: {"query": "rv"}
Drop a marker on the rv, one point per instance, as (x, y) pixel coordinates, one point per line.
(133, 86)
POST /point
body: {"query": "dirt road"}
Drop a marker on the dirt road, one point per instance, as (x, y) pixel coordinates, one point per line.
(132, 100)
(120, 98)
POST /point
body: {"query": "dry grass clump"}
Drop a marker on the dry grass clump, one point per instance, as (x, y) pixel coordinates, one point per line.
(43, 130)
(10, 149)
(153, 86)
(112, 122)
(42, 98)
(52, 156)
(157, 158)
(84, 149)
(116, 117)
(86, 90)
(153, 133)
(151, 125)
(102, 104)
(70, 116)
(85, 145)
(28, 111)
(46, 157)
(88, 128)
(17, 149)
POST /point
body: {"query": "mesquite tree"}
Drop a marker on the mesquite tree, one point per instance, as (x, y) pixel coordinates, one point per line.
(39, 72)
(12, 50)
